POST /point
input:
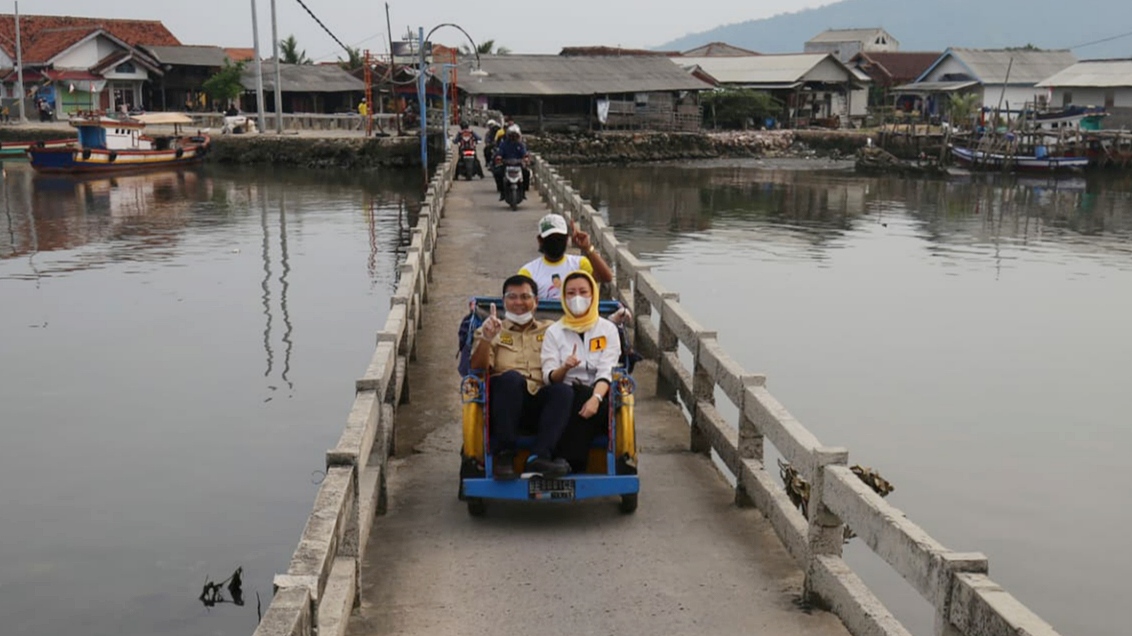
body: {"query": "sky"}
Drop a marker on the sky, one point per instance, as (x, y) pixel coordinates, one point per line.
(538, 26)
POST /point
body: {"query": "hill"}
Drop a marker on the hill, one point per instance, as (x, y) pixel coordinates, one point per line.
(933, 26)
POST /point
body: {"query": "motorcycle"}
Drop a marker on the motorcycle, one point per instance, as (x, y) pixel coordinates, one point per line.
(468, 166)
(513, 192)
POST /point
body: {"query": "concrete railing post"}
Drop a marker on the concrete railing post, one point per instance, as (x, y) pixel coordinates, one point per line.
(750, 444)
(826, 535)
(703, 390)
(666, 342)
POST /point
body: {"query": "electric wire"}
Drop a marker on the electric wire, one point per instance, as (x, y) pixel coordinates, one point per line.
(324, 28)
(1108, 39)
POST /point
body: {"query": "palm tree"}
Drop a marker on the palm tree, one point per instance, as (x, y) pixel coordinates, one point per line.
(487, 47)
(961, 108)
(354, 59)
(289, 51)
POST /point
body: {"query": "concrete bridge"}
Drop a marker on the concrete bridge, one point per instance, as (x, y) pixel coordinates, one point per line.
(388, 548)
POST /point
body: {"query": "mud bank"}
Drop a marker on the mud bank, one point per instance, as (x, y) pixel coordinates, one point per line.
(314, 152)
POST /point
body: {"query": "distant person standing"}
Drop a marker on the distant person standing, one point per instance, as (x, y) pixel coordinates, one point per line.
(363, 108)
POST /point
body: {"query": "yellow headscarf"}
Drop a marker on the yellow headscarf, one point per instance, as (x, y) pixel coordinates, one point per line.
(580, 324)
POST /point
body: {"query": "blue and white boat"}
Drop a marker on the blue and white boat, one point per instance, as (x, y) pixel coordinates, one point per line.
(111, 144)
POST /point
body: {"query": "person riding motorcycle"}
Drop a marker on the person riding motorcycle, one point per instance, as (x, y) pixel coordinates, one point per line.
(489, 140)
(511, 148)
(467, 139)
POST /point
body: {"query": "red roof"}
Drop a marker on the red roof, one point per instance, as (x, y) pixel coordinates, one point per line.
(240, 55)
(894, 67)
(45, 36)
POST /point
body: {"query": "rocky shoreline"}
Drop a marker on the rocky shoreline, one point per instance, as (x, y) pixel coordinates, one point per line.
(355, 152)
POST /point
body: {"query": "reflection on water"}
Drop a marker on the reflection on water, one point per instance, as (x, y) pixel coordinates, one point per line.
(149, 323)
(964, 336)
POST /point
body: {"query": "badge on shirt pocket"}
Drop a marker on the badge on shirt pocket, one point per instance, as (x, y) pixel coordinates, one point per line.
(506, 339)
(597, 344)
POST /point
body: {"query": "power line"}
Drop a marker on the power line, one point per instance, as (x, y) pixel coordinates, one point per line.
(315, 18)
(1115, 37)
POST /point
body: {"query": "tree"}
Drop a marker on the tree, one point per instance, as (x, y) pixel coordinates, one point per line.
(961, 108)
(487, 47)
(354, 59)
(224, 85)
(735, 107)
(289, 51)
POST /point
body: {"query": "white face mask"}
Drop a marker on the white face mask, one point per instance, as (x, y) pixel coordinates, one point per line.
(519, 319)
(578, 304)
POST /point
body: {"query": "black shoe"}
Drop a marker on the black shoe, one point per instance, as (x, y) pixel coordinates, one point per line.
(503, 465)
(548, 468)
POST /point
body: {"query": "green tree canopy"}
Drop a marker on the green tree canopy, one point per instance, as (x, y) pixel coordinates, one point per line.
(961, 108)
(225, 84)
(289, 51)
(487, 47)
(735, 107)
(354, 59)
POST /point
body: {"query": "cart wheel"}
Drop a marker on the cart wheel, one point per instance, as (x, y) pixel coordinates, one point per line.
(460, 493)
(476, 506)
(628, 503)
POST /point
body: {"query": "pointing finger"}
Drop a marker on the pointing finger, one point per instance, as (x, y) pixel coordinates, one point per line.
(493, 310)
(575, 352)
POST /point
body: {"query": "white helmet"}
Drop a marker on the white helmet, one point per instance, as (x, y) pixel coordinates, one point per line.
(513, 128)
(492, 122)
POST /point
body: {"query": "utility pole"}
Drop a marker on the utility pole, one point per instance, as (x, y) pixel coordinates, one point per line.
(278, 81)
(421, 97)
(20, 69)
(258, 69)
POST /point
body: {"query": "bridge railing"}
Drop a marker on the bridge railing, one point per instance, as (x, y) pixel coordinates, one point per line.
(965, 600)
(323, 583)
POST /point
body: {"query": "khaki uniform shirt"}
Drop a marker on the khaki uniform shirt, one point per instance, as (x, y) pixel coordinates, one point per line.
(517, 349)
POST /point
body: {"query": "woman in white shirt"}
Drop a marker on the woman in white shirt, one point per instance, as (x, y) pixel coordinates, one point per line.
(581, 349)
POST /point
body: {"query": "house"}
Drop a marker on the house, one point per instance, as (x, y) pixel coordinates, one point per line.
(717, 49)
(810, 86)
(83, 63)
(845, 43)
(186, 70)
(609, 51)
(554, 92)
(1004, 79)
(240, 54)
(1105, 83)
(887, 69)
(305, 88)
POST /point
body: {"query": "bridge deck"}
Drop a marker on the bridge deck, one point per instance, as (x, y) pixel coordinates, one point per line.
(688, 561)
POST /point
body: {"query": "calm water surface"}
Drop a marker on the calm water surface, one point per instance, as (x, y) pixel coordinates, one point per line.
(969, 338)
(178, 350)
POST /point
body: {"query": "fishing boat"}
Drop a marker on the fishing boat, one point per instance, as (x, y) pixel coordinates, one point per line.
(119, 144)
(19, 148)
(980, 160)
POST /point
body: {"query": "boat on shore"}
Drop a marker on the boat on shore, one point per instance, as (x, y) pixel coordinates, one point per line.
(118, 144)
(981, 160)
(19, 149)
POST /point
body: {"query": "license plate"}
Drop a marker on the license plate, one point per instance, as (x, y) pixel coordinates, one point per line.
(538, 488)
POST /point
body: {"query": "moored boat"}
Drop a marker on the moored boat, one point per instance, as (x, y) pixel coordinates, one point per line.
(20, 148)
(109, 144)
(978, 159)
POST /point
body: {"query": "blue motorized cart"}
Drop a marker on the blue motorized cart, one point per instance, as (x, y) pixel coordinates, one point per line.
(612, 466)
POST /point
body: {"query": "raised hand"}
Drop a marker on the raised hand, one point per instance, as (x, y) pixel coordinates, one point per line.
(492, 326)
(582, 240)
(572, 361)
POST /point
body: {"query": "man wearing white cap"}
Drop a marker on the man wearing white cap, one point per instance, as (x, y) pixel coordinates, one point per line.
(551, 268)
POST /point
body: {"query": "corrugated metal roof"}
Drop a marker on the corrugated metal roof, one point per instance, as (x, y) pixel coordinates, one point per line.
(846, 35)
(989, 66)
(936, 87)
(1093, 73)
(303, 78)
(561, 75)
(189, 55)
(718, 49)
(757, 69)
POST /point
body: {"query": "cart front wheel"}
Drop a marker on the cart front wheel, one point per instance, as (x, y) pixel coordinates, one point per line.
(476, 506)
(628, 503)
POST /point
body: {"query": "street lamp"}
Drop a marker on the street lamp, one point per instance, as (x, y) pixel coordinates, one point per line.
(421, 75)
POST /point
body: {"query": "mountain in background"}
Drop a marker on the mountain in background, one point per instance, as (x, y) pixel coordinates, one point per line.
(922, 25)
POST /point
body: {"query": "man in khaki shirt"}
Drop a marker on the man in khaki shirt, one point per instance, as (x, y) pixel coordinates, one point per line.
(511, 352)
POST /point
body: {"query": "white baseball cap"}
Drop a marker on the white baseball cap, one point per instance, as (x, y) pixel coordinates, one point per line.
(552, 224)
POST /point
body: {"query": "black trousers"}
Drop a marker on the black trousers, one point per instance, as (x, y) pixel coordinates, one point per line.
(574, 445)
(511, 404)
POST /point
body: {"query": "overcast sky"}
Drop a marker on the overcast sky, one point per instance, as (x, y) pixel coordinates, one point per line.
(531, 26)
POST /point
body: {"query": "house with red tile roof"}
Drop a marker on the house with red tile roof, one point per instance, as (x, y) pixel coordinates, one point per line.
(76, 63)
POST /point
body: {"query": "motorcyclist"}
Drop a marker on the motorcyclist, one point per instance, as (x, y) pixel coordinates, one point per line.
(467, 139)
(511, 148)
(489, 140)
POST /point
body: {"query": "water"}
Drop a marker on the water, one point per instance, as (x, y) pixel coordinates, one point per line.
(969, 338)
(178, 350)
